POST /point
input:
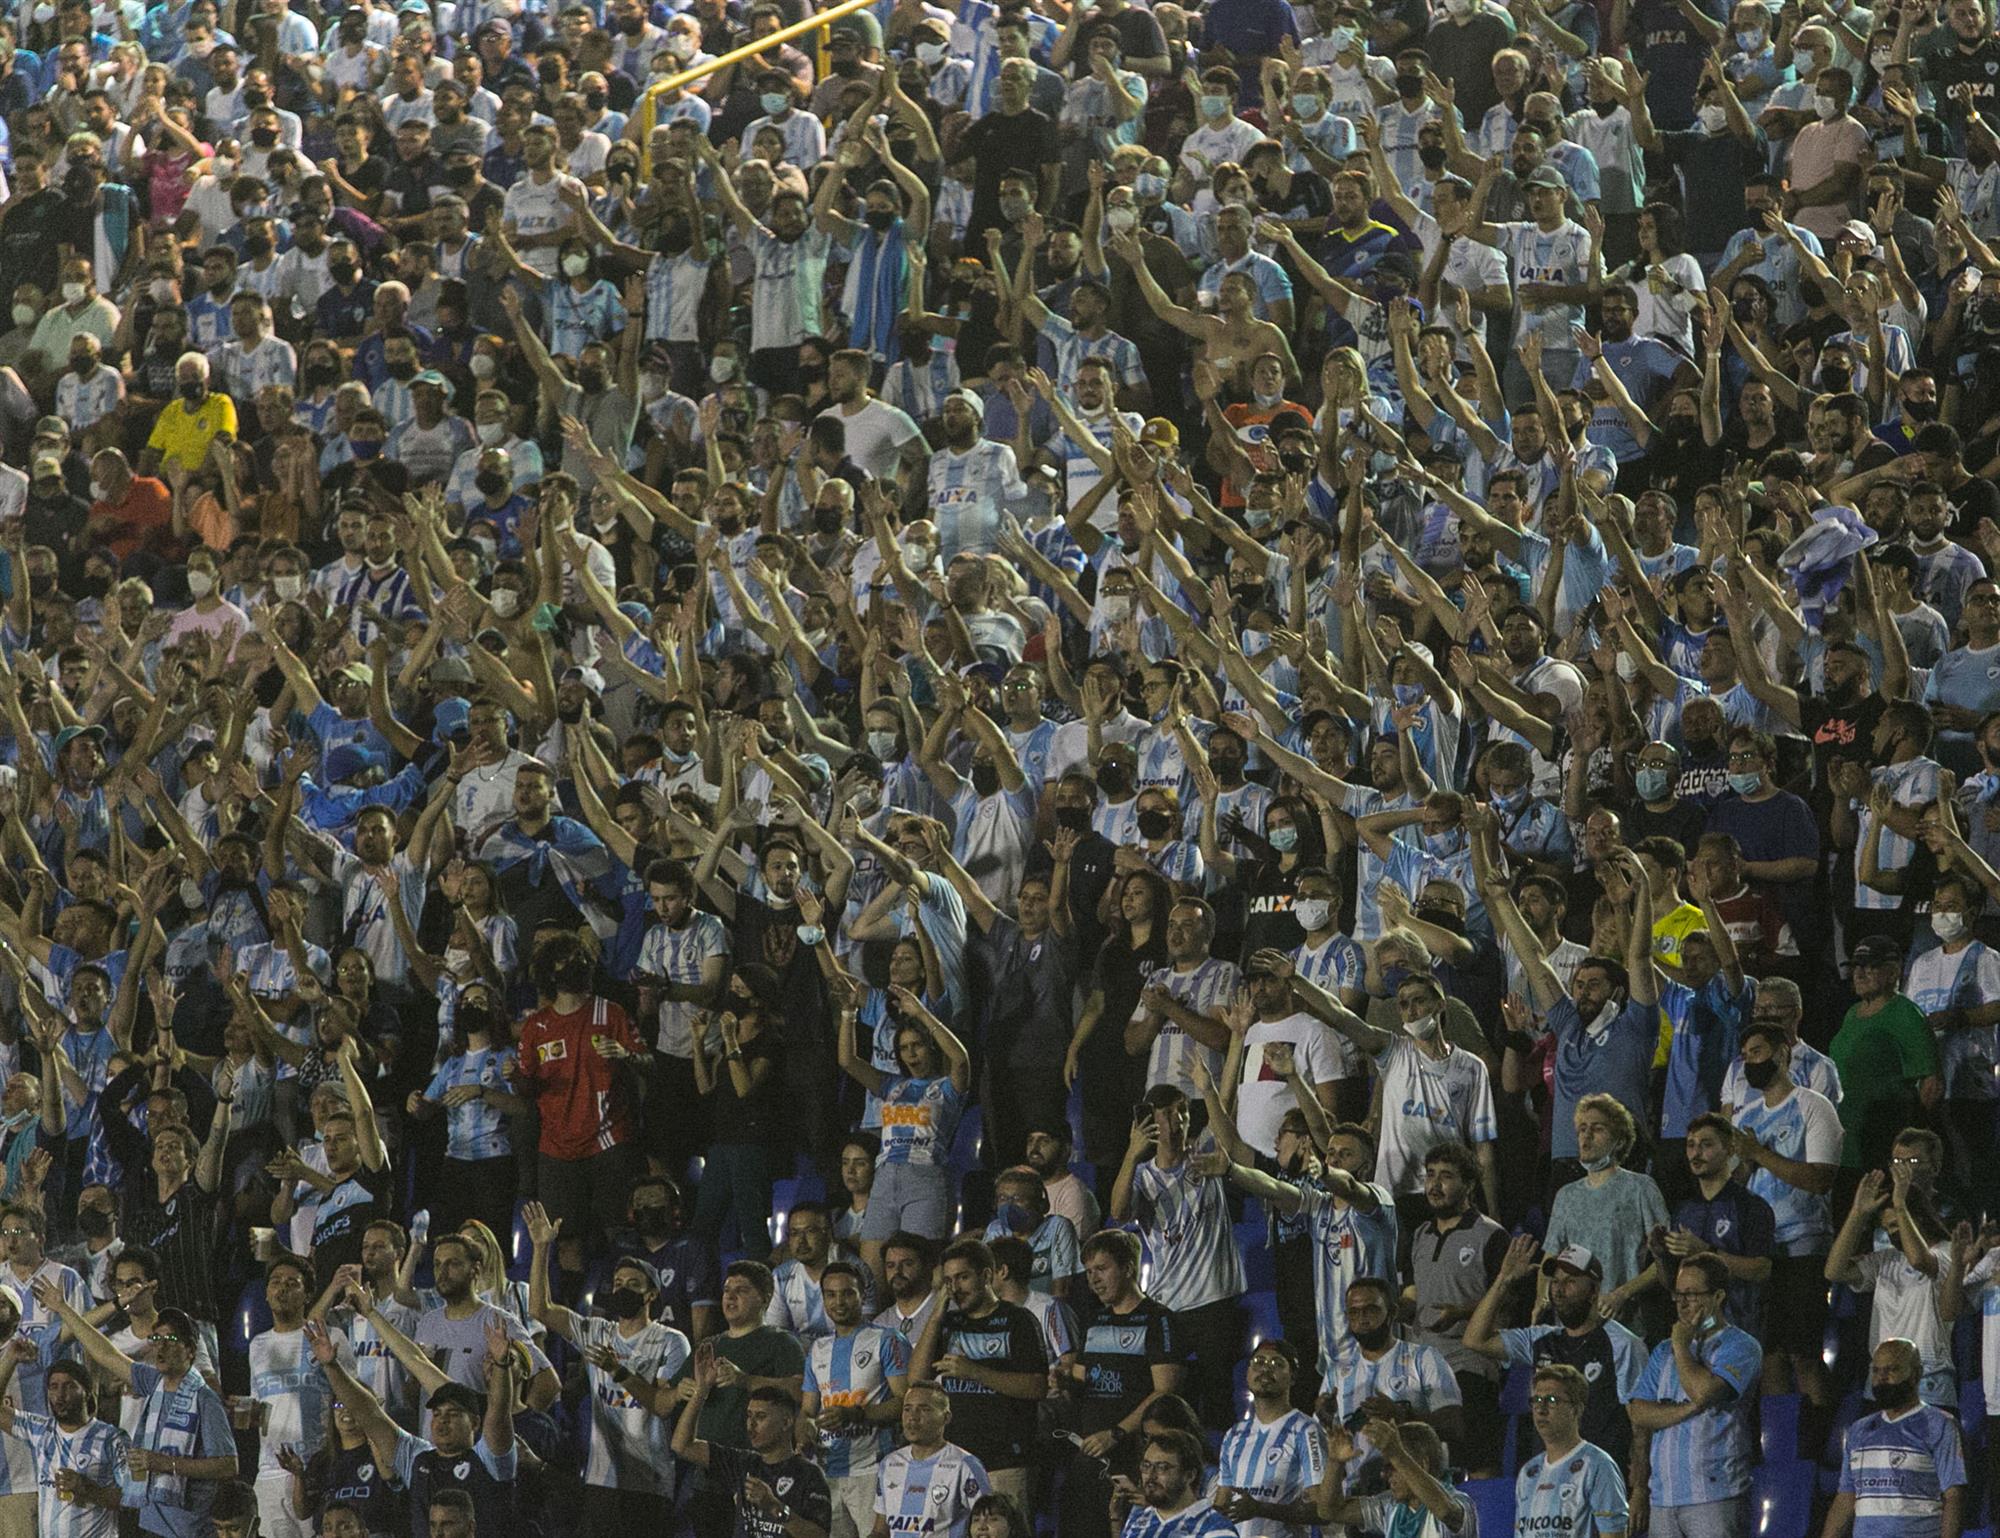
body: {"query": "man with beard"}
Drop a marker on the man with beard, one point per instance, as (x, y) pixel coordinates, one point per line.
(550, 869)
(790, 257)
(1129, 1359)
(540, 213)
(881, 439)
(970, 480)
(1606, 1355)
(797, 1305)
(1723, 1218)
(1015, 140)
(1273, 1461)
(1167, 1496)
(79, 1460)
(1453, 1257)
(1379, 1373)
(989, 1356)
(631, 1362)
(906, 1274)
(680, 974)
(684, 1264)
(1083, 457)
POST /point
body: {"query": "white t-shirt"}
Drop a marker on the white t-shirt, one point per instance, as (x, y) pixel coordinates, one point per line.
(876, 435)
(1906, 1308)
(537, 208)
(1318, 1052)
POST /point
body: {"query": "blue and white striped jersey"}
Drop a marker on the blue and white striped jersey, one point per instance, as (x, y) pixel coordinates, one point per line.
(676, 956)
(1911, 785)
(849, 1371)
(474, 1130)
(1207, 989)
(83, 403)
(1706, 1457)
(1279, 1461)
(967, 492)
(1197, 1519)
(1804, 1127)
(1347, 1243)
(674, 289)
(95, 1450)
(1898, 1468)
(919, 1119)
(1191, 1253)
(1409, 1372)
(929, 1497)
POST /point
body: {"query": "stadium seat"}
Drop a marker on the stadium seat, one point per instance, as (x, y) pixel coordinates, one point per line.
(1780, 1429)
(1514, 1391)
(251, 1316)
(1492, 1504)
(1260, 1317)
(1782, 1499)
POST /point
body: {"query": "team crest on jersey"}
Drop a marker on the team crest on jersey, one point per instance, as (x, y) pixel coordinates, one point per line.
(785, 1485)
(366, 1473)
(667, 1277)
(460, 1470)
(1128, 1340)
(938, 1494)
(1592, 1371)
(1273, 1454)
(1567, 1494)
(1576, 1467)
(1467, 1255)
(863, 1358)
(1722, 1227)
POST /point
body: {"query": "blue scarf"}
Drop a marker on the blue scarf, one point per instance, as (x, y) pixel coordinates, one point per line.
(878, 293)
(573, 854)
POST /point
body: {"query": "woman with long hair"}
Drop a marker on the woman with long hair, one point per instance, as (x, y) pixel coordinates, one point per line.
(1666, 278)
(344, 1467)
(1136, 944)
(745, 1086)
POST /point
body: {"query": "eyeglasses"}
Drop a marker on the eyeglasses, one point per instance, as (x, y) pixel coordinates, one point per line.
(168, 1340)
(15, 1233)
(1906, 1163)
(1548, 1400)
(1746, 757)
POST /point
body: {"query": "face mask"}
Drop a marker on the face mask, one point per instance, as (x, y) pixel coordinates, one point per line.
(722, 370)
(1745, 784)
(342, 273)
(1827, 108)
(506, 602)
(1015, 1218)
(25, 315)
(627, 1304)
(366, 449)
(491, 433)
(73, 293)
(985, 779)
(930, 53)
(1751, 41)
(1117, 607)
(1284, 840)
(1594, 1166)
(1744, 308)
(882, 745)
(1155, 824)
(1442, 844)
(1014, 210)
(1306, 104)
(200, 584)
(1214, 104)
(1627, 666)
(1343, 39)
(1760, 1076)
(591, 379)
(1149, 188)
(95, 1222)
(492, 483)
(1947, 926)
(651, 1219)
(288, 587)
(1312, 912)
(774, 102)
(1422, 1029)
(194, 391)
(403, 372)
(1410, 85)
(652, 386)
(1114, 780)
(1713, 120)
(575, 266)
(1121, 220)
(1507, 806)
(1651, 784)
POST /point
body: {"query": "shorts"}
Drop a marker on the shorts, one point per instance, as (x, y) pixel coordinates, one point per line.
(853, 1505)
(1795, 1305)
(1708, 1519)
(912, 1197)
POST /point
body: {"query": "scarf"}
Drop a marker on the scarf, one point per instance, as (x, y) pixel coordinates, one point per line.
(878, 293)
(572, 854)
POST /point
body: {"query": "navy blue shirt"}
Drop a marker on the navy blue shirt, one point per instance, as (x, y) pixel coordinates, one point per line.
(1736, 1221)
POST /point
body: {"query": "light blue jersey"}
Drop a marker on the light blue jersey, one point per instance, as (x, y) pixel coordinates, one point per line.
(1706, 1457)
(1897, 1469)
(1347, 1243)
(1190, 1242)
(919, 1119)
(851, 1371)
(95, 1450)
(929, 1497)
(1197, 1519)
(1804, 1127)
(967, 492)
(1278, 1461)
(475, 1129)
(1579, 1495)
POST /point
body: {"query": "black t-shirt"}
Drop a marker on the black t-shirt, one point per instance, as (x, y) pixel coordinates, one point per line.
(1268, 892)
(1836, 732)
(794, 1480)
(492, 1499)
(1119, 1354)
(34, 227)
(344, 1215)
(353, 1477)
(991, 1426)
(1604, 1418)
(1683, 822)
(1001, 144)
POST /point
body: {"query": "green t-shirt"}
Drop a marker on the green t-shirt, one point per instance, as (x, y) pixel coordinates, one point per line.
(765, 1352)
(1881, 1058)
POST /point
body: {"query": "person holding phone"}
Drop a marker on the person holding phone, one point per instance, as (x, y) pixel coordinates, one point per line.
(1694, 1411)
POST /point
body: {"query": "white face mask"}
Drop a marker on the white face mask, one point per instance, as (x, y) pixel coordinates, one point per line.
(1421, 1029)
(1121, 220)
(1827, 108)
(506, 602)
(482, 365)
(25, 315)
(1117, 608)
(288, 586)
(491, 433)
(1311, 912)
(930, 53)
(722, 370)
(1628, 668)
(652, 386)
(73, 293)
(200, 584)
(99, 492)
(1947, 926)
(1713, 121)
(575, 266)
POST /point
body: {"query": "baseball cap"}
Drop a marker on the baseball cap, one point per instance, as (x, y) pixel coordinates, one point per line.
(1856, 230)
(1545, 176)
(1574, 1257)
(69, 734)
(451, 670)
(449, 720)
(1161, 433)
(359, 672)
(433, 378)
(972, 400)
(1873, 950)
(52, 427)
(47, 466)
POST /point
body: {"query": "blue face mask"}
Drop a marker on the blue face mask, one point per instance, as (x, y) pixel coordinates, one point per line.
(1409, 694)
(1214, 104)
(1651, 784)
(1507, 806)
(1284, 839)
(1255, 641)
(1149, 188)
(1447, 843)
(1015, 1218)
(1394, 977)
(1745, 784)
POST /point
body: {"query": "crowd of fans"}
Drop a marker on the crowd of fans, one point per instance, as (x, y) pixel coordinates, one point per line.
(1209, 771)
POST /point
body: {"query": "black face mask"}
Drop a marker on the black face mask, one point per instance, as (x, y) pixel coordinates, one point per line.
(592, 380)
(1837, 380)
(1760, 1076)
(1920, 411)
(255, 246)
(194, 392)
(475, 1017)
(827, 520)
(403, 372)
(1899, 1395)
(256, 97)
(343, 273)
(594, 100)
(322, 374)
(460, 176)
(1227, 770)
(626, 1304)
(1432, 156)
(652, 1219)
(569, 714)
(1074, 818)
(1155, 824)
(985, 779)
(491, 482)
(1114, 780)
(880, 218)
(1410, 85)
(95, 1222)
